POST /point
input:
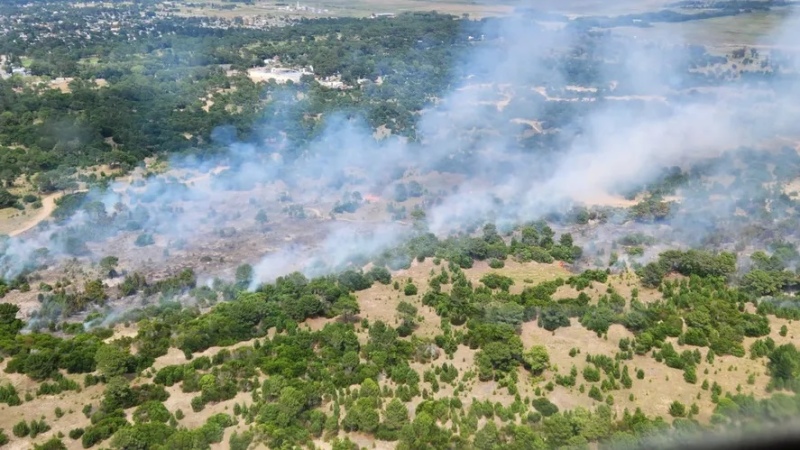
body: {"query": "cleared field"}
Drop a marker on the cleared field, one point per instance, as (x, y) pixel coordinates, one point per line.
(763, 28)
(598, 7)
(358, 8)
(475, 9)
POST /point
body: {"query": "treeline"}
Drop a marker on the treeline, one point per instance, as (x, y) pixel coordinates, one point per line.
(533, 242)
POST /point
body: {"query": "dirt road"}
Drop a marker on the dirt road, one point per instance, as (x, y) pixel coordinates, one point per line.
(48, 206)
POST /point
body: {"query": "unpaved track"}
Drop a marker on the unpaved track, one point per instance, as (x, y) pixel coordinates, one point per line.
(48, 206)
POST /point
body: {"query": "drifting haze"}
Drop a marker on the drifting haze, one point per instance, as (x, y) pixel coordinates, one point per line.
(622, 140)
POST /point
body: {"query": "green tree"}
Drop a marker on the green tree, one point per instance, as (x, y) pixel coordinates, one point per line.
(536, 359)
(690, 374)
(142, 436)
(109, 265)
(7, 200)
(784, 363)
(488, 437)
(54, 443)
(422, 433)
(407, 312)
(552, 318)
(347, 306)
(544, 406)
(152, 411)
(244, 276)
(112, 360)
(21, 429)
(94, 291)
(395, 417)
(677, 409)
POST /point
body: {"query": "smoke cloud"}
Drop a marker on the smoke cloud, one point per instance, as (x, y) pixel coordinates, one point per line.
(591, 141)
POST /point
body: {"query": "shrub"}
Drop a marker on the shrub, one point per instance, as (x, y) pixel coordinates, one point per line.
(690, 375)
(144, 239)
(544, 406)
(21, 429)
(677, 409)
(495, 263)
(54, 443)
(76, 433)
(38, 427)
(591, 374)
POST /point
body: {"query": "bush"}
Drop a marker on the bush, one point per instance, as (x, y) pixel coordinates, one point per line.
(544, 406)
(690, 375)
(7, 199)
(21, 429)
(495, 263)
(197, 404)
(38, 427)
(497, 281)
(677, 409)
(54, 443)
(410, 289)
(9, 395)
(595, 393)
(591, 374)
(144, 239)
(76, 433)
(380, 274)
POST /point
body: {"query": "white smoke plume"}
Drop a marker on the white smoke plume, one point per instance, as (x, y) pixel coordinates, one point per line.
(639, 122)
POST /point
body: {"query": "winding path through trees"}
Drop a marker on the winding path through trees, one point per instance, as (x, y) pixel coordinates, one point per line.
(48, 206)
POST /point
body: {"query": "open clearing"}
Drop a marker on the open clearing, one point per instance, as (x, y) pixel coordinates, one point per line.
(358, 8)
(598, 7)
(759, 29)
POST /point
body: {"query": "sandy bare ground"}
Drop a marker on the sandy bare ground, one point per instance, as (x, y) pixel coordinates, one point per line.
(661, 385)
(44, 406)
(62, 84)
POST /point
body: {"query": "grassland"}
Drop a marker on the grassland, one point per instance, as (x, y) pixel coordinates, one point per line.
(358, 8)
(475, 9)
(760, 28)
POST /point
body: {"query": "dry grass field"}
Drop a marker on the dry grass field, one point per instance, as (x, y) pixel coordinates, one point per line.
(757, 29)
(363, 8)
